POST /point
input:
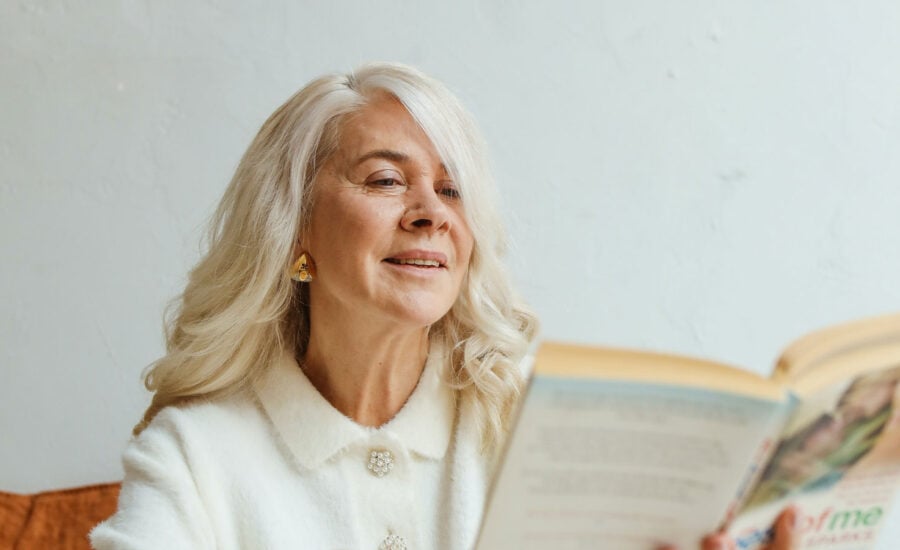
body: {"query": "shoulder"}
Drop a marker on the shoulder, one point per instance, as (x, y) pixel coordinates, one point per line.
(200, 414)
(170, 468)
(193, 430)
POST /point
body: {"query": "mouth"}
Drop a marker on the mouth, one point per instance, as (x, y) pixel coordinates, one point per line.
(421, 258)
(418, 259)
(417, 262)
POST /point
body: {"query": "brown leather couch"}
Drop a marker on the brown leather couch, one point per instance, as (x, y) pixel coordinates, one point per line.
(57, 520)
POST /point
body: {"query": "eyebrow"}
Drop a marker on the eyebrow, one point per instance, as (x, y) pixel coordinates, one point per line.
(391, 155)
(387, 154)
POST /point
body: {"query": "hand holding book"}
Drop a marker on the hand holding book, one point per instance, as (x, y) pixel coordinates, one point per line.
(785, 535)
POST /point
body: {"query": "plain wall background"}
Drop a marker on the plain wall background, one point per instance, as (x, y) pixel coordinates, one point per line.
(713, 178)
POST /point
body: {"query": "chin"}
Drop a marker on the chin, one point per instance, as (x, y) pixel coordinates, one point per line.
(420, 318)
(419, 310)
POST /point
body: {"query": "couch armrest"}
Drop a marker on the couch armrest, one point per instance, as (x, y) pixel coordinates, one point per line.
(55, 519)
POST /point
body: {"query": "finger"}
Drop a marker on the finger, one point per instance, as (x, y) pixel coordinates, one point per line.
(719, 541)
(785, 530)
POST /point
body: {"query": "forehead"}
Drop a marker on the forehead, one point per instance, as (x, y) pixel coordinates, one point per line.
(383, 123)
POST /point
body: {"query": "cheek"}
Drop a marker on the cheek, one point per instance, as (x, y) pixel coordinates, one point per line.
(464, 240)
(344, 227)
(466, 260)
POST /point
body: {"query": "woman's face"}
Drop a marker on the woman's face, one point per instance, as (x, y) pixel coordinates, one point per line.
(387, 231)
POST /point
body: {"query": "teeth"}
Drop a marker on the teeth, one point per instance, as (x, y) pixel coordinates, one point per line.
(417, 261)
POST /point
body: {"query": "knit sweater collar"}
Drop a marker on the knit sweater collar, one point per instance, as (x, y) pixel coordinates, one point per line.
(315, 431)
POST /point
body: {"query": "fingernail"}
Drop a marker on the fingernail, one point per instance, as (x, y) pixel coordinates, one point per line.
(791, 514)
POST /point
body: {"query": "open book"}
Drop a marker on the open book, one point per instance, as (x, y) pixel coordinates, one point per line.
(627, 450)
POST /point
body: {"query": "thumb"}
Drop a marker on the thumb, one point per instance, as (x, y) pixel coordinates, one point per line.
(719, 541)
(785, 530)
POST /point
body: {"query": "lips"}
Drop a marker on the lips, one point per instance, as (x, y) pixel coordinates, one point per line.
(419, 258)
(415, 261)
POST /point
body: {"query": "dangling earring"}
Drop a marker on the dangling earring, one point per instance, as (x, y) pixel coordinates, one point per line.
(302, 271)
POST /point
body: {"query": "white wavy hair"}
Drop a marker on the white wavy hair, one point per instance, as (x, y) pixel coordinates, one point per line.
(240, 311)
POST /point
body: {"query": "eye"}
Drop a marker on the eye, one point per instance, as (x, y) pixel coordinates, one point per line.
(448, 190)
(385, 182)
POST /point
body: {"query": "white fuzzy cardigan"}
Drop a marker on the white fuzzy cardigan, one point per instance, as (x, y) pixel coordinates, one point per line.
(277, 467)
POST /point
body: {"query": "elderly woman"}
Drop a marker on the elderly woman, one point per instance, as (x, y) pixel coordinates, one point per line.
(345, 358)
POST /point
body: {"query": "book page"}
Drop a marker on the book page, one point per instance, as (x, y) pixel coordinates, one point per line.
(809, 352)
(838, 460)
(614, 464)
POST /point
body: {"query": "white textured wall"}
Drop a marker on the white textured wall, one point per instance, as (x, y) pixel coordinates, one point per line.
(707, 177)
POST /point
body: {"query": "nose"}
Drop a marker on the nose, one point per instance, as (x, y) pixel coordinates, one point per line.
(426, 211)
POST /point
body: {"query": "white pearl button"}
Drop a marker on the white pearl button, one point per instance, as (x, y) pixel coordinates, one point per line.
(393, 542)
(381, 462)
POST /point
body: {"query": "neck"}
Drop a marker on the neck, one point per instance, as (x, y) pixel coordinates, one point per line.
(366, 373)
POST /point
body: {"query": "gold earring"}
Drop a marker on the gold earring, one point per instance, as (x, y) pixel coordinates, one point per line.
(302, 270)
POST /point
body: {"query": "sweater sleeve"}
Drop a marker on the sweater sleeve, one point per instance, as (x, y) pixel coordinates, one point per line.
(159, 505)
